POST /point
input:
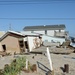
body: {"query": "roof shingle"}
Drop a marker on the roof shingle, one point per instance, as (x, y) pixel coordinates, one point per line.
(44, 27)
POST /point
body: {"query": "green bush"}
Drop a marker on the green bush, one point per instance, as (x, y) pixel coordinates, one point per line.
(15, 67)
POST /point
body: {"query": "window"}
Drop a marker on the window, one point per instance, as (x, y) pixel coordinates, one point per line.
(21, 44)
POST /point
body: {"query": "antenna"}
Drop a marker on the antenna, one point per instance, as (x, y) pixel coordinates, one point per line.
(9, 26)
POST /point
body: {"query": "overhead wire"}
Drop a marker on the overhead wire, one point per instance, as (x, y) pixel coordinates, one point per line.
(13, 2)
(37, 18)
(21, 2)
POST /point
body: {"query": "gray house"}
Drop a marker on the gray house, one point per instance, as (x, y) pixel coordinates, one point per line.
(50, 30)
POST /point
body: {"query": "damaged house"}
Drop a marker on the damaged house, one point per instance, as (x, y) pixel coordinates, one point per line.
(17, 42)
(9, 42)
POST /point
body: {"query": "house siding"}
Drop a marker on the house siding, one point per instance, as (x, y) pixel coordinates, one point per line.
(40, 32)
(62, 30)
(50, 32)
(12, 44)
(0, 47)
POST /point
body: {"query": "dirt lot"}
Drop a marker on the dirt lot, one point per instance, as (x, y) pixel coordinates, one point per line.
(42, 63)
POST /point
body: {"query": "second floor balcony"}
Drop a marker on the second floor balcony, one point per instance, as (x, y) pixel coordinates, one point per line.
(61, 34)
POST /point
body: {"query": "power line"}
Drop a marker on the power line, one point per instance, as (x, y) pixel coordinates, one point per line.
(7, 2)
(34, 0)
(37, 18)
(24, 3)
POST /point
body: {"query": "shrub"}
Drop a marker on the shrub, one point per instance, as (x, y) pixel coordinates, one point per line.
(15, 67)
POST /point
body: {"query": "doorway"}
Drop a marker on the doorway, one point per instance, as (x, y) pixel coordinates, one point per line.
(4, 47)
(26, 45)
(21, 44)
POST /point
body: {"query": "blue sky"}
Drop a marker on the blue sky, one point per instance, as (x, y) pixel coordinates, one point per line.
(57, 9)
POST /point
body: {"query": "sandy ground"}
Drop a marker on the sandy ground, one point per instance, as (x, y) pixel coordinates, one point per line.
(58, 61)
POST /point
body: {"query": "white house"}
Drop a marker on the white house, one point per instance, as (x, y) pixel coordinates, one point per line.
(50, 30)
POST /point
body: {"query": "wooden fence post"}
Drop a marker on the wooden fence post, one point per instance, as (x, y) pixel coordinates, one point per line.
(66, 68)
